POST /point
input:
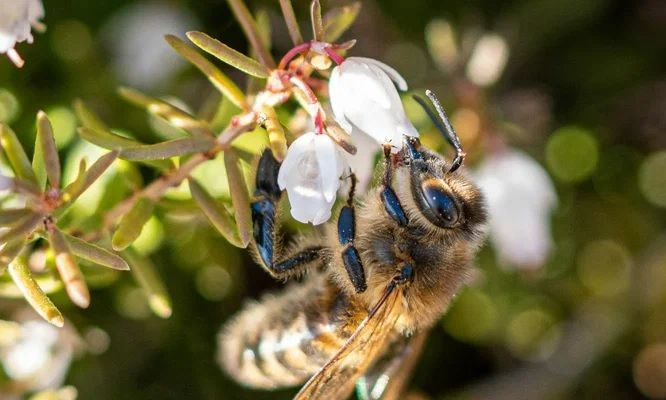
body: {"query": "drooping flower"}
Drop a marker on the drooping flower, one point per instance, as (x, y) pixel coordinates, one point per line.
(311, 175)
(520, 197)
(17, 18)
(363, 96)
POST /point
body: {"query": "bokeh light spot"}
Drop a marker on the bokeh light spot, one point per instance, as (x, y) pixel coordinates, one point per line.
(572, 154)
(603, 267)
(473, 316)
(650, 371)
(71, 40)
(131, 302)
(532, 335)
(652, 178)
(150, 238)
(9, 106)
(213, 282)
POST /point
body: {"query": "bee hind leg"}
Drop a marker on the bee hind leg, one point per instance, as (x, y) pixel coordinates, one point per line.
(346, 236)
(265, 230)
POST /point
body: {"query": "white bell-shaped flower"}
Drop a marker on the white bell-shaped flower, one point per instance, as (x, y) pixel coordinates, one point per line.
(364, 97)
(17, 18)
(520, 197)
(311, 175)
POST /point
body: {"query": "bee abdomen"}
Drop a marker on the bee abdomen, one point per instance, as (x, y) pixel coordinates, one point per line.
(280, 341)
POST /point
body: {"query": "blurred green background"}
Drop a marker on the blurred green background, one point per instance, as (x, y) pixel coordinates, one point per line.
(583, 93)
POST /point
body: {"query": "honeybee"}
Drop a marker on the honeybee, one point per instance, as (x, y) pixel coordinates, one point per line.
(378, 278)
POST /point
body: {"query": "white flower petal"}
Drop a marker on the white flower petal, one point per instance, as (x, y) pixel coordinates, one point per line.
(338, 97)
(296, 151)
(329, 165)
(392, 73)
(17, 17)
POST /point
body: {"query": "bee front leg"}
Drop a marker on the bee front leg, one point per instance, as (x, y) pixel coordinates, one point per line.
(346, 236)
(388, 196)
(265, 230)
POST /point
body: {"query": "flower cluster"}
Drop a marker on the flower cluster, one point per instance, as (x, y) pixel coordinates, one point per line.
(17, 19)
(365, 101)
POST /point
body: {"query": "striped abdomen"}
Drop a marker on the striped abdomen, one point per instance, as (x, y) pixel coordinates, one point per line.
(284, 339)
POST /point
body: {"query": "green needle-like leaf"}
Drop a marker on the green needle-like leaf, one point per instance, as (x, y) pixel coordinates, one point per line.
(230, 56)
(147, 277)
(292, 23)
(338, 20)
(88, 118)
(221, 82)
(21, 229)
(96, 254)
(239, 196)
(131, 224)
(49, 149)
(9, 252)
(10, 216)
(15, 154)
(111, 141)
(20, 274)
(70, 273)
(216, 213)
(249, 25)
(171, 148)
(76, 188)
(174, 115)
(317, 24)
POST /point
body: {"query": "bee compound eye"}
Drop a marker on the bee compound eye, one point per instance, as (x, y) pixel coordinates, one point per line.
(437, 205)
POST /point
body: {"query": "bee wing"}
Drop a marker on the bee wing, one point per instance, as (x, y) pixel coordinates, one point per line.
(335, 380)
(386, 379)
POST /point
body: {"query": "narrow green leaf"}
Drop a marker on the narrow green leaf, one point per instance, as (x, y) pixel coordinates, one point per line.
(338, 20)
(9, 252)
(172, 114)
(20, 274)
(74, 190)
(48, 282)
(230, 56)
(20, 186)
(148, 278)
(15, 154)
(70, 273)
(131, 224)
(88, 118)
(38, 164)
(10, 216)
(239, 196)
(251, 32)
(292, 23)
(96, 254)
(108, 140)
(221, 82)
(171, 148)
(276, 137)
(21, 229)
(317, 24)
(216, 213)
(49, 149)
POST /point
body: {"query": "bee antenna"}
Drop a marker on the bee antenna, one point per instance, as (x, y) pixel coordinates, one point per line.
(442, 123)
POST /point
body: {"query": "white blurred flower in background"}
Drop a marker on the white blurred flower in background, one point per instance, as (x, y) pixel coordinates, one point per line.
(311, 175)
(520, 197)
(38, 355)
(17, 19)
(363, 97)
(488, 60)
(140, 55)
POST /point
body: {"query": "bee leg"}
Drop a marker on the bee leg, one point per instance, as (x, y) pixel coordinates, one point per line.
(264, 214)
(346, 236)
(388, 196)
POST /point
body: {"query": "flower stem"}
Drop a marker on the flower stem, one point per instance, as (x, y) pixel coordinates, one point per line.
(293, 53)
(337, 58)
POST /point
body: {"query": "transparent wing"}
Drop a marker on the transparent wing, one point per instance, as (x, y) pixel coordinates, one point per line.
(387, 377)
(336, 379)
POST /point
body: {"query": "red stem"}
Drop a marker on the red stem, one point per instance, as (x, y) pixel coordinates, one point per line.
(293, 53)
(337, 58)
